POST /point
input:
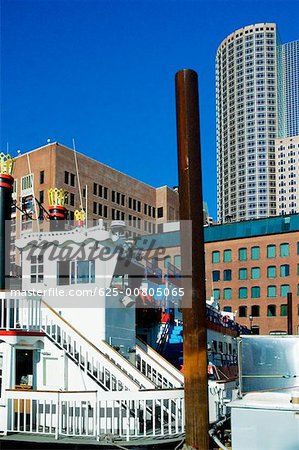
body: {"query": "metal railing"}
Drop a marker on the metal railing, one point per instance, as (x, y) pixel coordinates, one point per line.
(126, 415)
(157, 368)
(19, 313)
(114, 375)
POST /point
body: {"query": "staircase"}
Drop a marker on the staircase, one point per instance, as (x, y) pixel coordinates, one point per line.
(173, 350)
(102, 363)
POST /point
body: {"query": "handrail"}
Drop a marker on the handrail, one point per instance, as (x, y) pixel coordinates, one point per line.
(138, 378)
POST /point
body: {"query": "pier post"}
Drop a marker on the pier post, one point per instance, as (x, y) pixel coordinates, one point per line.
(191, 209)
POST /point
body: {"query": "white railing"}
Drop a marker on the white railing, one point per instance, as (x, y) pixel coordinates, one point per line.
(157, 368)
(110, 375)
(22, 313)
(126, 415)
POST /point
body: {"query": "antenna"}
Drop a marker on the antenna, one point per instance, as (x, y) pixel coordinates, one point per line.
(77, 171)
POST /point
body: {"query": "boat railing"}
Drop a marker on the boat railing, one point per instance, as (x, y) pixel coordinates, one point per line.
(123, 415)
(19, 312)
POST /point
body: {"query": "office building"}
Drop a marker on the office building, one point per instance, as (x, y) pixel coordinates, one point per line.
(290, 61)
(255, 103)
(250, 268)
(287, 175)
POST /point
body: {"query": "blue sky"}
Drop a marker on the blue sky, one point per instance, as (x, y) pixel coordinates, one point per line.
(102, 72)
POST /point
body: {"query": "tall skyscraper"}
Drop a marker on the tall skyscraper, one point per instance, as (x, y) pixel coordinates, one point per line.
(290, 61)
(252, 110)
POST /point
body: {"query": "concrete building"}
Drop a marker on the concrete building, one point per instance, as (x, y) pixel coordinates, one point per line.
(256, 102)
(287, 175)
(250, 268)
(290, 61)
(105, 192)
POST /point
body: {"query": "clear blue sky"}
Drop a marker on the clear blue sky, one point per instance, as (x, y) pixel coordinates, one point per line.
(103, 73)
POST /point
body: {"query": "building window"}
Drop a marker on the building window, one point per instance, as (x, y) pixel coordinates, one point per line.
(285, 270)
(41, 196)
(72, 199)
(72, 179)
(160, 212)
(216, 294)
(227, 294)
(255, 292)
(227, 275)
(227, 309)
(215, 257)
(66, 177)
(243, 274)
(243, 292)
(216, 275)
(42, 177)
(255, 329)
(167, 260)
(271, 272)
(177, 261)
(227, 255)
(26, 182)
(37, 269)
(271, 291)
(271, 251)
(255, 273)
(284, 290)
(255, 311)
(271, 310)
(242, 311)
(242, 254)
(284, 250)
(255, 252)
(283, 310)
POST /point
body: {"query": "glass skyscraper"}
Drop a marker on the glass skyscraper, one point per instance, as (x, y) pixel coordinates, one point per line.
(253, 72)
(290, 64)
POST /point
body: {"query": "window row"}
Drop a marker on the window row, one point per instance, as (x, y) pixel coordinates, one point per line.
(255, 292)
(255, 311)
(255, 273)
(254, 253)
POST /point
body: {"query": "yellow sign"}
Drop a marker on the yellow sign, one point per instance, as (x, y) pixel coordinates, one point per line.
(6, 164)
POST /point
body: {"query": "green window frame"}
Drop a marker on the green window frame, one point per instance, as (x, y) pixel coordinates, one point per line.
(167, 260)
(271, 311)
(284, 249)
(271, 251)
(227, 255)
(271, 291)
(227, 308)
(255, 252)
(227, 293)
(283, 310)
(216, 275)
(216, 294)
(243, 273)
(242, 254)
(215, 257)
(284, 290)
(227, 275)
(255, 292)
(255, 273)
(285, 270)
(271, 271)
(243, 292)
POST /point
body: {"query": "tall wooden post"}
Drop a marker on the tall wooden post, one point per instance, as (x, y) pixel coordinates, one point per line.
(194, 309)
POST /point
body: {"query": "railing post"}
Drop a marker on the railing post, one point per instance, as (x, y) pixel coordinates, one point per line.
(58, 414)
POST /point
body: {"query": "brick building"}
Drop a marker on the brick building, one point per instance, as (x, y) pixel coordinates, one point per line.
(250, 268)
(107, 193)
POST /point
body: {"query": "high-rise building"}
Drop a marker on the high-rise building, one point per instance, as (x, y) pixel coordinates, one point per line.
(287, 175)
(253, 72)
(290, 61)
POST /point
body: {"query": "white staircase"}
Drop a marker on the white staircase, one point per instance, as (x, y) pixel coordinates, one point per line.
(105, 365)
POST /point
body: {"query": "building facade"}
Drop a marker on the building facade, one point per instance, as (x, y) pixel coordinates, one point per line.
(256, 102)
(250, 268)
(287, 175)
(290, 60)
(103, 192)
